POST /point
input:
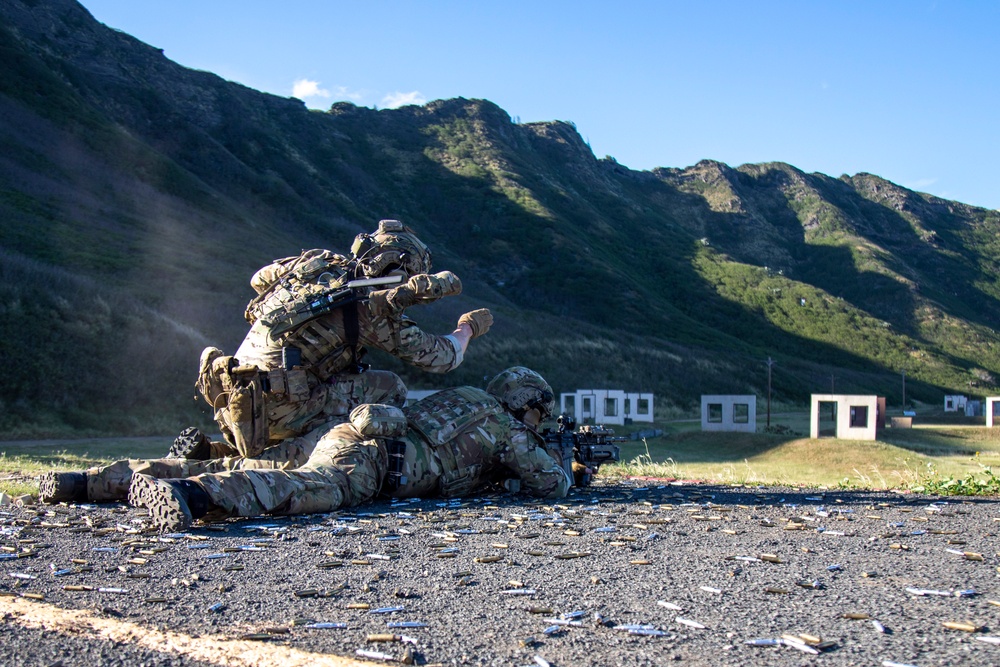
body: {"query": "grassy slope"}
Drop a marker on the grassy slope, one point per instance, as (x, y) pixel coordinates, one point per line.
(159, 190)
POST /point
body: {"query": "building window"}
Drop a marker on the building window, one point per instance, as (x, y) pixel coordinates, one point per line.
(949, 405)
(586, 406)
(859, 416)
(610, 407)
(628, 406)
(741, 413)
(643, 408)
(715, 413)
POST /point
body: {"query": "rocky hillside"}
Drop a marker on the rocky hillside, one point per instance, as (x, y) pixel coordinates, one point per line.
(138, 196)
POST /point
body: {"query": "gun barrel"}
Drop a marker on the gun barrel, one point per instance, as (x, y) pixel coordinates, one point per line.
(370, 282)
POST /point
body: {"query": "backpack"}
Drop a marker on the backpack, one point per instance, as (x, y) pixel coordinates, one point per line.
(295, 290)
(445, 414)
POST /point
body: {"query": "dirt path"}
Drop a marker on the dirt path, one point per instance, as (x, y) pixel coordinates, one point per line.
(220, 650)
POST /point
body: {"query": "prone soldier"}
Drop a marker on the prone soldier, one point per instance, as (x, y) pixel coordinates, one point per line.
(451, 443)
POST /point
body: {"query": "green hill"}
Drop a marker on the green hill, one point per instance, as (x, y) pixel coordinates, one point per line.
(137, 197)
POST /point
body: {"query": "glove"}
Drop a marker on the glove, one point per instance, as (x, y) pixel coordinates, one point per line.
(479, 321)
(423, 288)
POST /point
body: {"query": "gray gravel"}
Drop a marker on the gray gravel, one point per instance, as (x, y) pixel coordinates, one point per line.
(489, 576)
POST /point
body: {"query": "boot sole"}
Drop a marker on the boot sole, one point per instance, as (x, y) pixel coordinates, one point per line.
(191, 444)
(166, 507)
(54, 488)
(48, 488)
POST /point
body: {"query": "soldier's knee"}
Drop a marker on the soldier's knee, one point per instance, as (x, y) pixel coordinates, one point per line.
(387, 388)
(399, 392)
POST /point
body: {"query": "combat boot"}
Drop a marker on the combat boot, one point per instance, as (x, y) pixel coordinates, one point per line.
(172, 503)
(62, 487)
(191, 444)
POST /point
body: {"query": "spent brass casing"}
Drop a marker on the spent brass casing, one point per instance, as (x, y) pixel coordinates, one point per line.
(964, 627)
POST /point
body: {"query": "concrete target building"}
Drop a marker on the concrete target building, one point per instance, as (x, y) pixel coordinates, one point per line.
(992, 406)
(720, 412)
(607, 406)
(846, 416)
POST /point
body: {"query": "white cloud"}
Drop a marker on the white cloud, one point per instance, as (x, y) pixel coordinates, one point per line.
(920, 184)
(397, 99)
(304, 88)
(342, 93)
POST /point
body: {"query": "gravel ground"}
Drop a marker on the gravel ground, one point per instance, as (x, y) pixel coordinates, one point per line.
(505, 580)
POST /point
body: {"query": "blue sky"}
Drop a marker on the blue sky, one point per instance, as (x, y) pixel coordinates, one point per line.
(908, 90)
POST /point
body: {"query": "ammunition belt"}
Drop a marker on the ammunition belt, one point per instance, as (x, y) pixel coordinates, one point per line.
(397, 463)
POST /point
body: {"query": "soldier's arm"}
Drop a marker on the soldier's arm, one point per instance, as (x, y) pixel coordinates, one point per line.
(430, 352)
(540, 474)
(390, 332)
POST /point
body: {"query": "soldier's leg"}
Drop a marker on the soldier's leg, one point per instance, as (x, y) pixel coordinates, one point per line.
(111, 482)
(192, 445)
(344, 469)
(286, 455)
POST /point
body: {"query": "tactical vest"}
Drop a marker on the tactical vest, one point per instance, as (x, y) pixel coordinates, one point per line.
(442, 417)
(295, 290)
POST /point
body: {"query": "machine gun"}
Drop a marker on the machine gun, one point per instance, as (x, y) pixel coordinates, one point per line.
(589, 445)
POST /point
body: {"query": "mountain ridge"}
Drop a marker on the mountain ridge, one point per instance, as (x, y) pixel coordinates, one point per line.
(163, 189)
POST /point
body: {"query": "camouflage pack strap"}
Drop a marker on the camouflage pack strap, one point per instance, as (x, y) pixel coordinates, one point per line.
(352, 334)
(396, 477)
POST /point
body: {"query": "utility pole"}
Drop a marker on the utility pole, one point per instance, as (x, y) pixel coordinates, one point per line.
(770, 362)
(904, 390)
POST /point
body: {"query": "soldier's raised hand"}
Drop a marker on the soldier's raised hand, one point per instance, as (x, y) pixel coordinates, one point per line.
(479, 321)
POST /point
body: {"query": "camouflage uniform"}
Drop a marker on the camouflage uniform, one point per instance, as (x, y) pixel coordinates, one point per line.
(111, 483)
(455, 442)
(328, 383)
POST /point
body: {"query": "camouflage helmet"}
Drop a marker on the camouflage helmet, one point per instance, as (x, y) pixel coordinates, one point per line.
(392, 246)
(520, 389)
